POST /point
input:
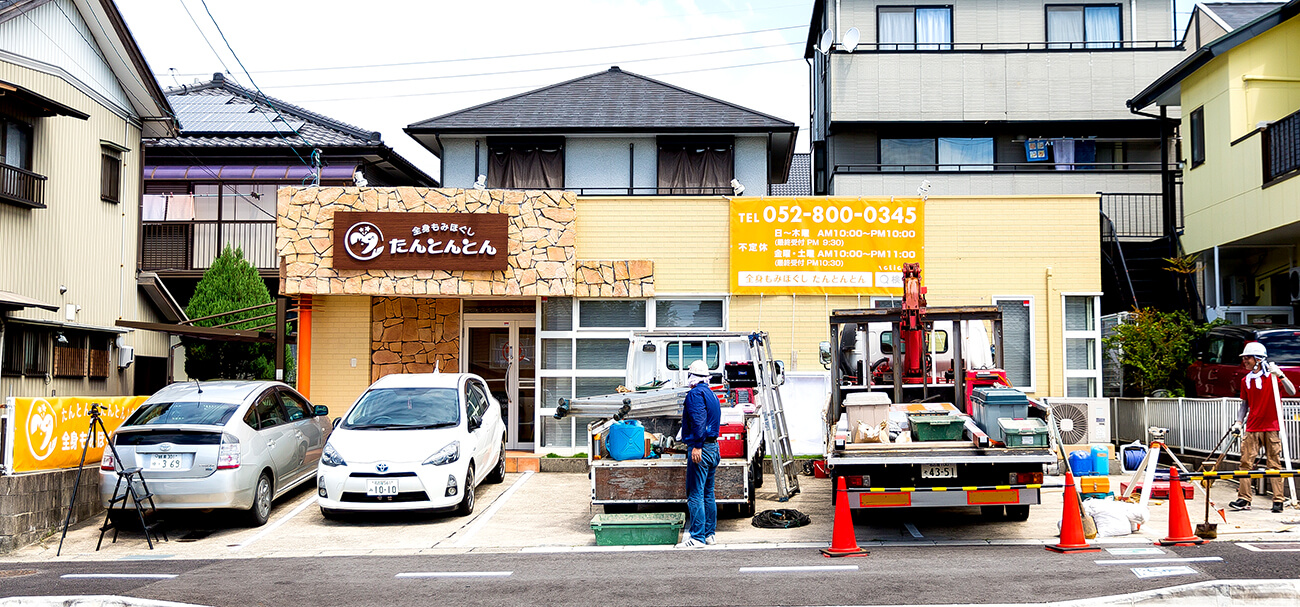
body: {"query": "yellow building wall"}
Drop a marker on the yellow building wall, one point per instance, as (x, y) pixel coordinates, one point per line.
(340, 333)
(1224, 200)
(685, 236)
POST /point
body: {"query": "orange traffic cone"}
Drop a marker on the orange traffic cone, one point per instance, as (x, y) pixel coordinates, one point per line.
(843, 541)
(1072, 538)
(1180, 525)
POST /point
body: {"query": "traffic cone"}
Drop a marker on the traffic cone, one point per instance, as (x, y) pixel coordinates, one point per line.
(1180, 525)
(1072, 539)
(843, 541)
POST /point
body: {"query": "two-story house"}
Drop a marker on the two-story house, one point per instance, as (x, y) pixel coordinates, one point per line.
(1239, 96)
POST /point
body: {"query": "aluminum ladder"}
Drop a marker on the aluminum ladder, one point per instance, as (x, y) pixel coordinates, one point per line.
(776, 435)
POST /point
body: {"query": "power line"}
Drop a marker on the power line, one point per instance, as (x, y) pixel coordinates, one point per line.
(204, 37)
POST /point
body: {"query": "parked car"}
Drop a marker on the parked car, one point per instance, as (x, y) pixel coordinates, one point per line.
(219, 444)
(414, 442)
(1217, 370)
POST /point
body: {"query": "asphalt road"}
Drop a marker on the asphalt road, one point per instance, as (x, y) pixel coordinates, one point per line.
(890, 575)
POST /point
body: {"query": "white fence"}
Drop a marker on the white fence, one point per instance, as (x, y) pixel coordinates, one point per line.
(1194, 423)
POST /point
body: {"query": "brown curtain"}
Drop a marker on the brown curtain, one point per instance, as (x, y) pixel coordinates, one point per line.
(695, 168)
(525, 167)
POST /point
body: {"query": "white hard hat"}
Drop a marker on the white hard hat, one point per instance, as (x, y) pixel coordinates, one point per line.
(1255, 349)
(698, 368)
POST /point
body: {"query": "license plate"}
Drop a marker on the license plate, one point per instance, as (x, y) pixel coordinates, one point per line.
(938, 470)
(167, 461)
(382, 488)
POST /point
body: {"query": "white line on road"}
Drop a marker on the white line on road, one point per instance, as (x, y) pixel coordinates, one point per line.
(913, 530)
(1195, 559)
(273, 526)
(435, 574)
(124, 576)
(486, 516)
(799, 569)
(1269, 547)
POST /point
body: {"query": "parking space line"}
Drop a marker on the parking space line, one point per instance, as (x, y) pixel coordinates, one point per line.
(438, 574)
(1271, 547)
(1194, 559)
(124, 576)
(798, 569)
(482, 520)
(273, 526)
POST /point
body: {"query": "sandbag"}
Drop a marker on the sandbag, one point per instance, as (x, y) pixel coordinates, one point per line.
(1114, 518)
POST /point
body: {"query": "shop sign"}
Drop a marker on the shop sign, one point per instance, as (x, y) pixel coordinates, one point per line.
(831, 246)
(49, 433)
(421, 241)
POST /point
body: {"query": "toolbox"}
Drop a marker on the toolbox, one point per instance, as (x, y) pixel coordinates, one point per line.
(740, 374)
(936, 426)
(1159, 489)
(1023, 433)
(637, 529)
(869, 407)
(990, 404)
(731, 440)
(1097, 484)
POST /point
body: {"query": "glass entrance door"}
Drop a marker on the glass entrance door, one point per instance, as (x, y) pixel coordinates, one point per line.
(501, 349)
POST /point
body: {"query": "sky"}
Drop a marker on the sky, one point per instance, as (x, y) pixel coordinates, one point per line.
(337, 58)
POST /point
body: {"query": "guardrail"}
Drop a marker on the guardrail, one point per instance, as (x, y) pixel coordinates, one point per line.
(22, 186)
(1116, 45)
(1194, 423)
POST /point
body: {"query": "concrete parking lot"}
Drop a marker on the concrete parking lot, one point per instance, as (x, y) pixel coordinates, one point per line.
(545, 512)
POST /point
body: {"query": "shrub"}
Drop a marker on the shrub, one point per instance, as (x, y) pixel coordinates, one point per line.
(230, 284)
(1156, 350)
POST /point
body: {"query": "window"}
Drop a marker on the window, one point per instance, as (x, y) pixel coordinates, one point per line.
(99, 362)
(297, 409)
(69, 354)
(680, 354)
(1080, 26)
(943, 153)
(13, 351)
(1082, 345)
(904, 28)
(1018, 340)
(26, 350)
(269, 412)
(696, 166)
(110, 175)
(1196, 122)
(17, 146)
(907, 154)
(535, 163)
(689, 313)
(611, 314)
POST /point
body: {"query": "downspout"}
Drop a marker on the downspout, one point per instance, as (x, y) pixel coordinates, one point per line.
(1133, 20)
(442, 167)
(304, 345)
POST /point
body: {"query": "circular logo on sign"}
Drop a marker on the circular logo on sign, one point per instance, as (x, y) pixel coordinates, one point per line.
(364, 241)
(40, 429)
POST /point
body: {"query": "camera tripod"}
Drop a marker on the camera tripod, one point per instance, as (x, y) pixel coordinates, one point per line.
(127, 476)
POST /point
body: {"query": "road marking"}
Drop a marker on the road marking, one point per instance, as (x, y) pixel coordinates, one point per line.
(1146, 572)
(1134, 551)
(276, 525)
(799, 569)
(1194, 559)
(482, 520)
(438, 574)
(124, 576)
(913, 530)
(1272, 547)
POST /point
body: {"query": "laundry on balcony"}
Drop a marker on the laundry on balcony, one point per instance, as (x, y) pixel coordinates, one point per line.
(1036, 150)
(1063, 153)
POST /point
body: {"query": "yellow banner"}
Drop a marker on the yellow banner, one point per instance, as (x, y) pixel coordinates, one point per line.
(50, 432)
(832, 246)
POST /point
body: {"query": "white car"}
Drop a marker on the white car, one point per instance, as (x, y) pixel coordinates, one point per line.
(414, 442)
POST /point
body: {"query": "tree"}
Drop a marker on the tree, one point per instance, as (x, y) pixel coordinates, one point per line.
(230, 284)
(1156, 349)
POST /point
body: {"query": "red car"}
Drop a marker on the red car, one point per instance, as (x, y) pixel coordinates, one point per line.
(1217, 370)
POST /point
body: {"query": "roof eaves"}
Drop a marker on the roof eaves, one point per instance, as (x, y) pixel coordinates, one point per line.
(814, 29)
(141, 66)
(1205, 8)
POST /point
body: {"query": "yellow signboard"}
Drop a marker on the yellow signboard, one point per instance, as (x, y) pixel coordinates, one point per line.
(49, 433)
(832, 246)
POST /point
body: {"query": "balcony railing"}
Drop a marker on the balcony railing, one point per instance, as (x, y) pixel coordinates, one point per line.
(22, 187)
(1140, 215)
(948, 47)
(193, 245)
(651, 191)
(1026, 167)
(1281, 148)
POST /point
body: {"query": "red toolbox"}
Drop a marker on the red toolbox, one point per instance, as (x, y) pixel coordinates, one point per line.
(1159, 489)
(731, 440)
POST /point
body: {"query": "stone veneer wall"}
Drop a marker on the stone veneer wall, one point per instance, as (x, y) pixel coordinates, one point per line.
(615, 279)
(413, 334)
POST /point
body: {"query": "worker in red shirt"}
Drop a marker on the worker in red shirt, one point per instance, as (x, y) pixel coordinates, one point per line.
(1259, 412)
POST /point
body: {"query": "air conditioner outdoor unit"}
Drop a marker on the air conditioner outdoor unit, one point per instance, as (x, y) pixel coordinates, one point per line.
(1293, 284)
(125, 356)
(1081, 420)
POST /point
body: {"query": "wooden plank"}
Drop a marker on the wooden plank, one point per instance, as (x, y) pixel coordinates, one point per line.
(421, 241)
(662, 483)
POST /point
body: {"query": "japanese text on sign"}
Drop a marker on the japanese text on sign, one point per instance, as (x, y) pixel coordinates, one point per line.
(834, 246)
(49, 433)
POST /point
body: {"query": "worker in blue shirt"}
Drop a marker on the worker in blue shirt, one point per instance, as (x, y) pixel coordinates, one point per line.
(701, 415)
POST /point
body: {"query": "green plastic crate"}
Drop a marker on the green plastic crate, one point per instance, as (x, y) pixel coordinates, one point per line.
(927, 427)
(1024, 433)
(638, 529)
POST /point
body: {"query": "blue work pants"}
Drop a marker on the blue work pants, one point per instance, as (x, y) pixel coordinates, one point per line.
(700, 502)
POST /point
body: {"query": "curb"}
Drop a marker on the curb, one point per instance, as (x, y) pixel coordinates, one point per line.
(87, 601)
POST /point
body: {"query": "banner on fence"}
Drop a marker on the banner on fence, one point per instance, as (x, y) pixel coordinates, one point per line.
(49, 433)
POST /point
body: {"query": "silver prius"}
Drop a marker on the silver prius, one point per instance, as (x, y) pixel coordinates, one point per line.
(220, 444)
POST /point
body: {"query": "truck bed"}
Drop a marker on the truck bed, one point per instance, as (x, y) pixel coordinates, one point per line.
(662, 480)
(955, 452)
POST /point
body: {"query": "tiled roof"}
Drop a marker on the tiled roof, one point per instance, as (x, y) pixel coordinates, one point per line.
(1237, 14)
(800, 181)
(613, 100)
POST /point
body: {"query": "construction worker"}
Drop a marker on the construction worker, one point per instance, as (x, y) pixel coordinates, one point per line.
(701, 415)
(1259, 412)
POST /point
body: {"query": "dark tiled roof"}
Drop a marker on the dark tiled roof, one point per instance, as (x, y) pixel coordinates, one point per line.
(1237, 14)
(800, 181)
(613, 100)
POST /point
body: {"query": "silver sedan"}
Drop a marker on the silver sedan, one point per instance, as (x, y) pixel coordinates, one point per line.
(220, 444)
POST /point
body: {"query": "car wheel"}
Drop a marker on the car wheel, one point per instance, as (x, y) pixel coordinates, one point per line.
(260, 511)
(466, 506)
(498, 473)
(1018, 513)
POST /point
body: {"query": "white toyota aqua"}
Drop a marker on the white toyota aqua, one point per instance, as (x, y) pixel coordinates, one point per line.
(414, 442)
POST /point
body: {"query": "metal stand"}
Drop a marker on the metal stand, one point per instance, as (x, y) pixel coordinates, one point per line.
(1147, 469)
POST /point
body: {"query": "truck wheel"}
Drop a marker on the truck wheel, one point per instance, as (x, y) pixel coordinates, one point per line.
(1018, 513)
(991, 512)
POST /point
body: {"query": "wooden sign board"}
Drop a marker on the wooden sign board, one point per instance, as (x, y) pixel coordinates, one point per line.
(421, 241)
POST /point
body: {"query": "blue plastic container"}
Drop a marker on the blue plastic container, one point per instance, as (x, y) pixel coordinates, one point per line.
(1080, 463)
(626, 440)
(1100, 460)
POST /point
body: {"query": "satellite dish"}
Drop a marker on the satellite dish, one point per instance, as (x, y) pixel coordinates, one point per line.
(828, 38)
(851, 39)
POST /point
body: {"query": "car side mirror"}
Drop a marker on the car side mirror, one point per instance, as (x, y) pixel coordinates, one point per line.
(335, 423)
(824, 354)
(778, 372)
(320, 410)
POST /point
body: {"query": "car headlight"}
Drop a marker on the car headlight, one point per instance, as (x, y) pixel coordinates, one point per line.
(445, 455)
(331, 457)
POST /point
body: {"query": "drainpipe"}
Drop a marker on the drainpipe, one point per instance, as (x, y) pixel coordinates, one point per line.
(304, 345)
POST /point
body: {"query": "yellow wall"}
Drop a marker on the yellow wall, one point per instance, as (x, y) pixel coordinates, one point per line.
(1223, 198)
(686, 238)
(340, 332)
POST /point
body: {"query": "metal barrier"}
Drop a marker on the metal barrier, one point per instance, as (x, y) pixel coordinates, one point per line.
(1194, 423)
